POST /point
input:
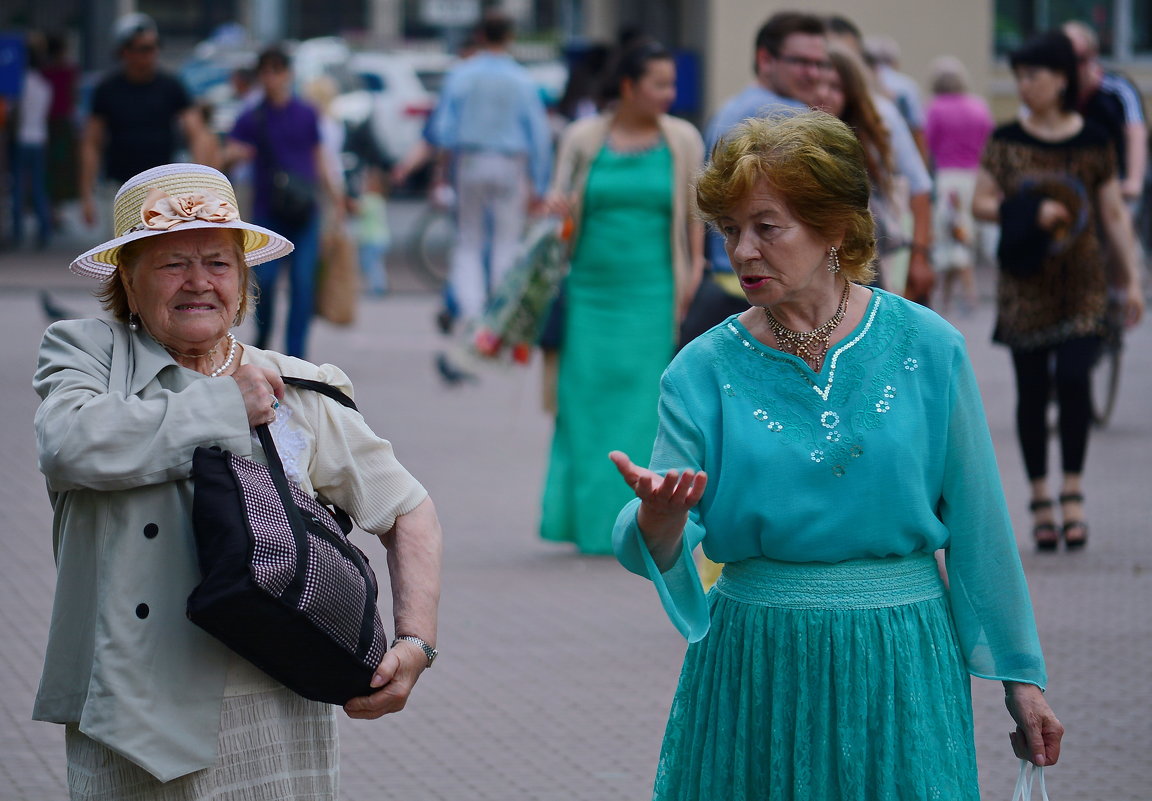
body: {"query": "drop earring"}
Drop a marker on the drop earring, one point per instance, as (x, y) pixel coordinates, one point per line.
(133, 321)
(833, 260)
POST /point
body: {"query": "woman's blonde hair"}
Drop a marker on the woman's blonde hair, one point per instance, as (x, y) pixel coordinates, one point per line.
(113, 295)
(815, 164)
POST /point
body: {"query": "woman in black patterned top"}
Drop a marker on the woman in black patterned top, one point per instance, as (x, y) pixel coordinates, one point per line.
(1050, 180)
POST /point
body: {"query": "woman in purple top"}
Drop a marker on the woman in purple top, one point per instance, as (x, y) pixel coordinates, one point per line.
(956, 126)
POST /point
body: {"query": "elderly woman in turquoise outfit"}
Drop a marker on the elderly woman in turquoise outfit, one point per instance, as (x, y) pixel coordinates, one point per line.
(153, 707)
(824, 444)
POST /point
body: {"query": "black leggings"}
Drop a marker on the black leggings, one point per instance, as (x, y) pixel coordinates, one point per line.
(1034, 380)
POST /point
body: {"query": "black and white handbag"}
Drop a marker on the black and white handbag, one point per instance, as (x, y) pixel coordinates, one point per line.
(282, 584)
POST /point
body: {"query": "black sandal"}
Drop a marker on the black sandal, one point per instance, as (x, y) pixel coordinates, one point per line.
(1080, 526)
(1044, 534)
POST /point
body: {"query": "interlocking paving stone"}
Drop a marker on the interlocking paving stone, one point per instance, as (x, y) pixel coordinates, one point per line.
(557, 670)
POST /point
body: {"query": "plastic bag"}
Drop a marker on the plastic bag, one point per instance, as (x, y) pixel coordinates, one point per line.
(1030, 775)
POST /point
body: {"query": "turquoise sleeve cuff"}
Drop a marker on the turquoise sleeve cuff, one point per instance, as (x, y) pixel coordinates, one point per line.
(681, 593)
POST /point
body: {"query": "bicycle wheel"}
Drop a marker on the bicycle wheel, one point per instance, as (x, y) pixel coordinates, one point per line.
(1105, 383)
(435, 235)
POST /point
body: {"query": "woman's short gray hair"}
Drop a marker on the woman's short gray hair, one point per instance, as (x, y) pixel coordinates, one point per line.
(949, 76)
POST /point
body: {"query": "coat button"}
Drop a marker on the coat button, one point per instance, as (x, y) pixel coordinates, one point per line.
(151, 530)
(142, 611)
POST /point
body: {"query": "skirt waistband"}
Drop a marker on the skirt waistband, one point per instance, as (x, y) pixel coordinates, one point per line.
(853, 584)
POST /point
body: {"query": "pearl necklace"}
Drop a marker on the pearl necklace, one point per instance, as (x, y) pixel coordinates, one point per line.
(811, 346)
(228, 361)
(215, 373)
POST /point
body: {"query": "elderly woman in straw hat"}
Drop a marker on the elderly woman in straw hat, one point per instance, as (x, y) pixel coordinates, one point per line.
(154, 707)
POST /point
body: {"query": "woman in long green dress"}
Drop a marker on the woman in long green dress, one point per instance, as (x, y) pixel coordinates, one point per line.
(636, 259)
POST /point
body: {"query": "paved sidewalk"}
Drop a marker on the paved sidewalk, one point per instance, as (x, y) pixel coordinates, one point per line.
(557, 670)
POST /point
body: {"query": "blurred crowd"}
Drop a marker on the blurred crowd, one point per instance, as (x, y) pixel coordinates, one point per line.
(844, 204)
(497, 149)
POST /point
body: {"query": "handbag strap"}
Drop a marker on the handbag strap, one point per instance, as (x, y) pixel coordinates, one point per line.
(276, 466)
(265, 152)
(322, 388)
(295, 588)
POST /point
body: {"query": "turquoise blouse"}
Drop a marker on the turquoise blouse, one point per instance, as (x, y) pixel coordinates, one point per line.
(884, 452)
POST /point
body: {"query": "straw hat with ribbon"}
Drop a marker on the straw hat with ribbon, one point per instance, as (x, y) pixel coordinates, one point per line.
(171, 198)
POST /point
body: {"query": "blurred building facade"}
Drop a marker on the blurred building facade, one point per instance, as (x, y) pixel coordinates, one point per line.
(978, 33)
(715, 36)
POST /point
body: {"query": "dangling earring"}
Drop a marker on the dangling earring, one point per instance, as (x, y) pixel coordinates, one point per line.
(833, 260)
(133, 321)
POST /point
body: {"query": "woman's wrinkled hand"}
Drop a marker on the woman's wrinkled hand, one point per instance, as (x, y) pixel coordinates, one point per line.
(262, 389)
(1038, 732)
(395, 678)
(673, 493)
(665, 501)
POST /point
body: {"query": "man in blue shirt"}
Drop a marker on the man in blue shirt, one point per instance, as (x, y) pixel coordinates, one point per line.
(791, 65)
(493, 123)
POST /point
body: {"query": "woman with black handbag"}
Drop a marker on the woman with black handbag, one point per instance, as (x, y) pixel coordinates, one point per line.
(131, 407)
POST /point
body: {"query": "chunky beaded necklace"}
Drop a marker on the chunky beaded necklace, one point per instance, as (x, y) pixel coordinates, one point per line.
(811, 346)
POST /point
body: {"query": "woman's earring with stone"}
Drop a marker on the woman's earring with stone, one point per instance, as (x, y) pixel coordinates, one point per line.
(833, 260)
(133, 321)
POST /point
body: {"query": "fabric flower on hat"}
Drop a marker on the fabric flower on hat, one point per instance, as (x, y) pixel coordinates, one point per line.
(162, 211)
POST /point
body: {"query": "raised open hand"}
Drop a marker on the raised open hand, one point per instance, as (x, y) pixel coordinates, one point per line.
(664, 504)
(671, 493)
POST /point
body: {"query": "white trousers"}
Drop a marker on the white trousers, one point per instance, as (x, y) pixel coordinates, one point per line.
(491, 207)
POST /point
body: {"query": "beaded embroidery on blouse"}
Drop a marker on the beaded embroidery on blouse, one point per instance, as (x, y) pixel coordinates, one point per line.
(827, 417)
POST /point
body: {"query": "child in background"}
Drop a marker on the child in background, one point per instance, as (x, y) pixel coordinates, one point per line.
(373, 236)
(954, 252)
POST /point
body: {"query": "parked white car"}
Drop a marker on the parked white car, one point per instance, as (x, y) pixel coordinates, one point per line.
(394, 92)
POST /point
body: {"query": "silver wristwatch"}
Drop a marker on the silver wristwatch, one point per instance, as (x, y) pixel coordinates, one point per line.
(428, 650)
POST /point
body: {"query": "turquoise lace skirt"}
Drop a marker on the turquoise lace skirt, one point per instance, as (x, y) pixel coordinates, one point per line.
(823, 682)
